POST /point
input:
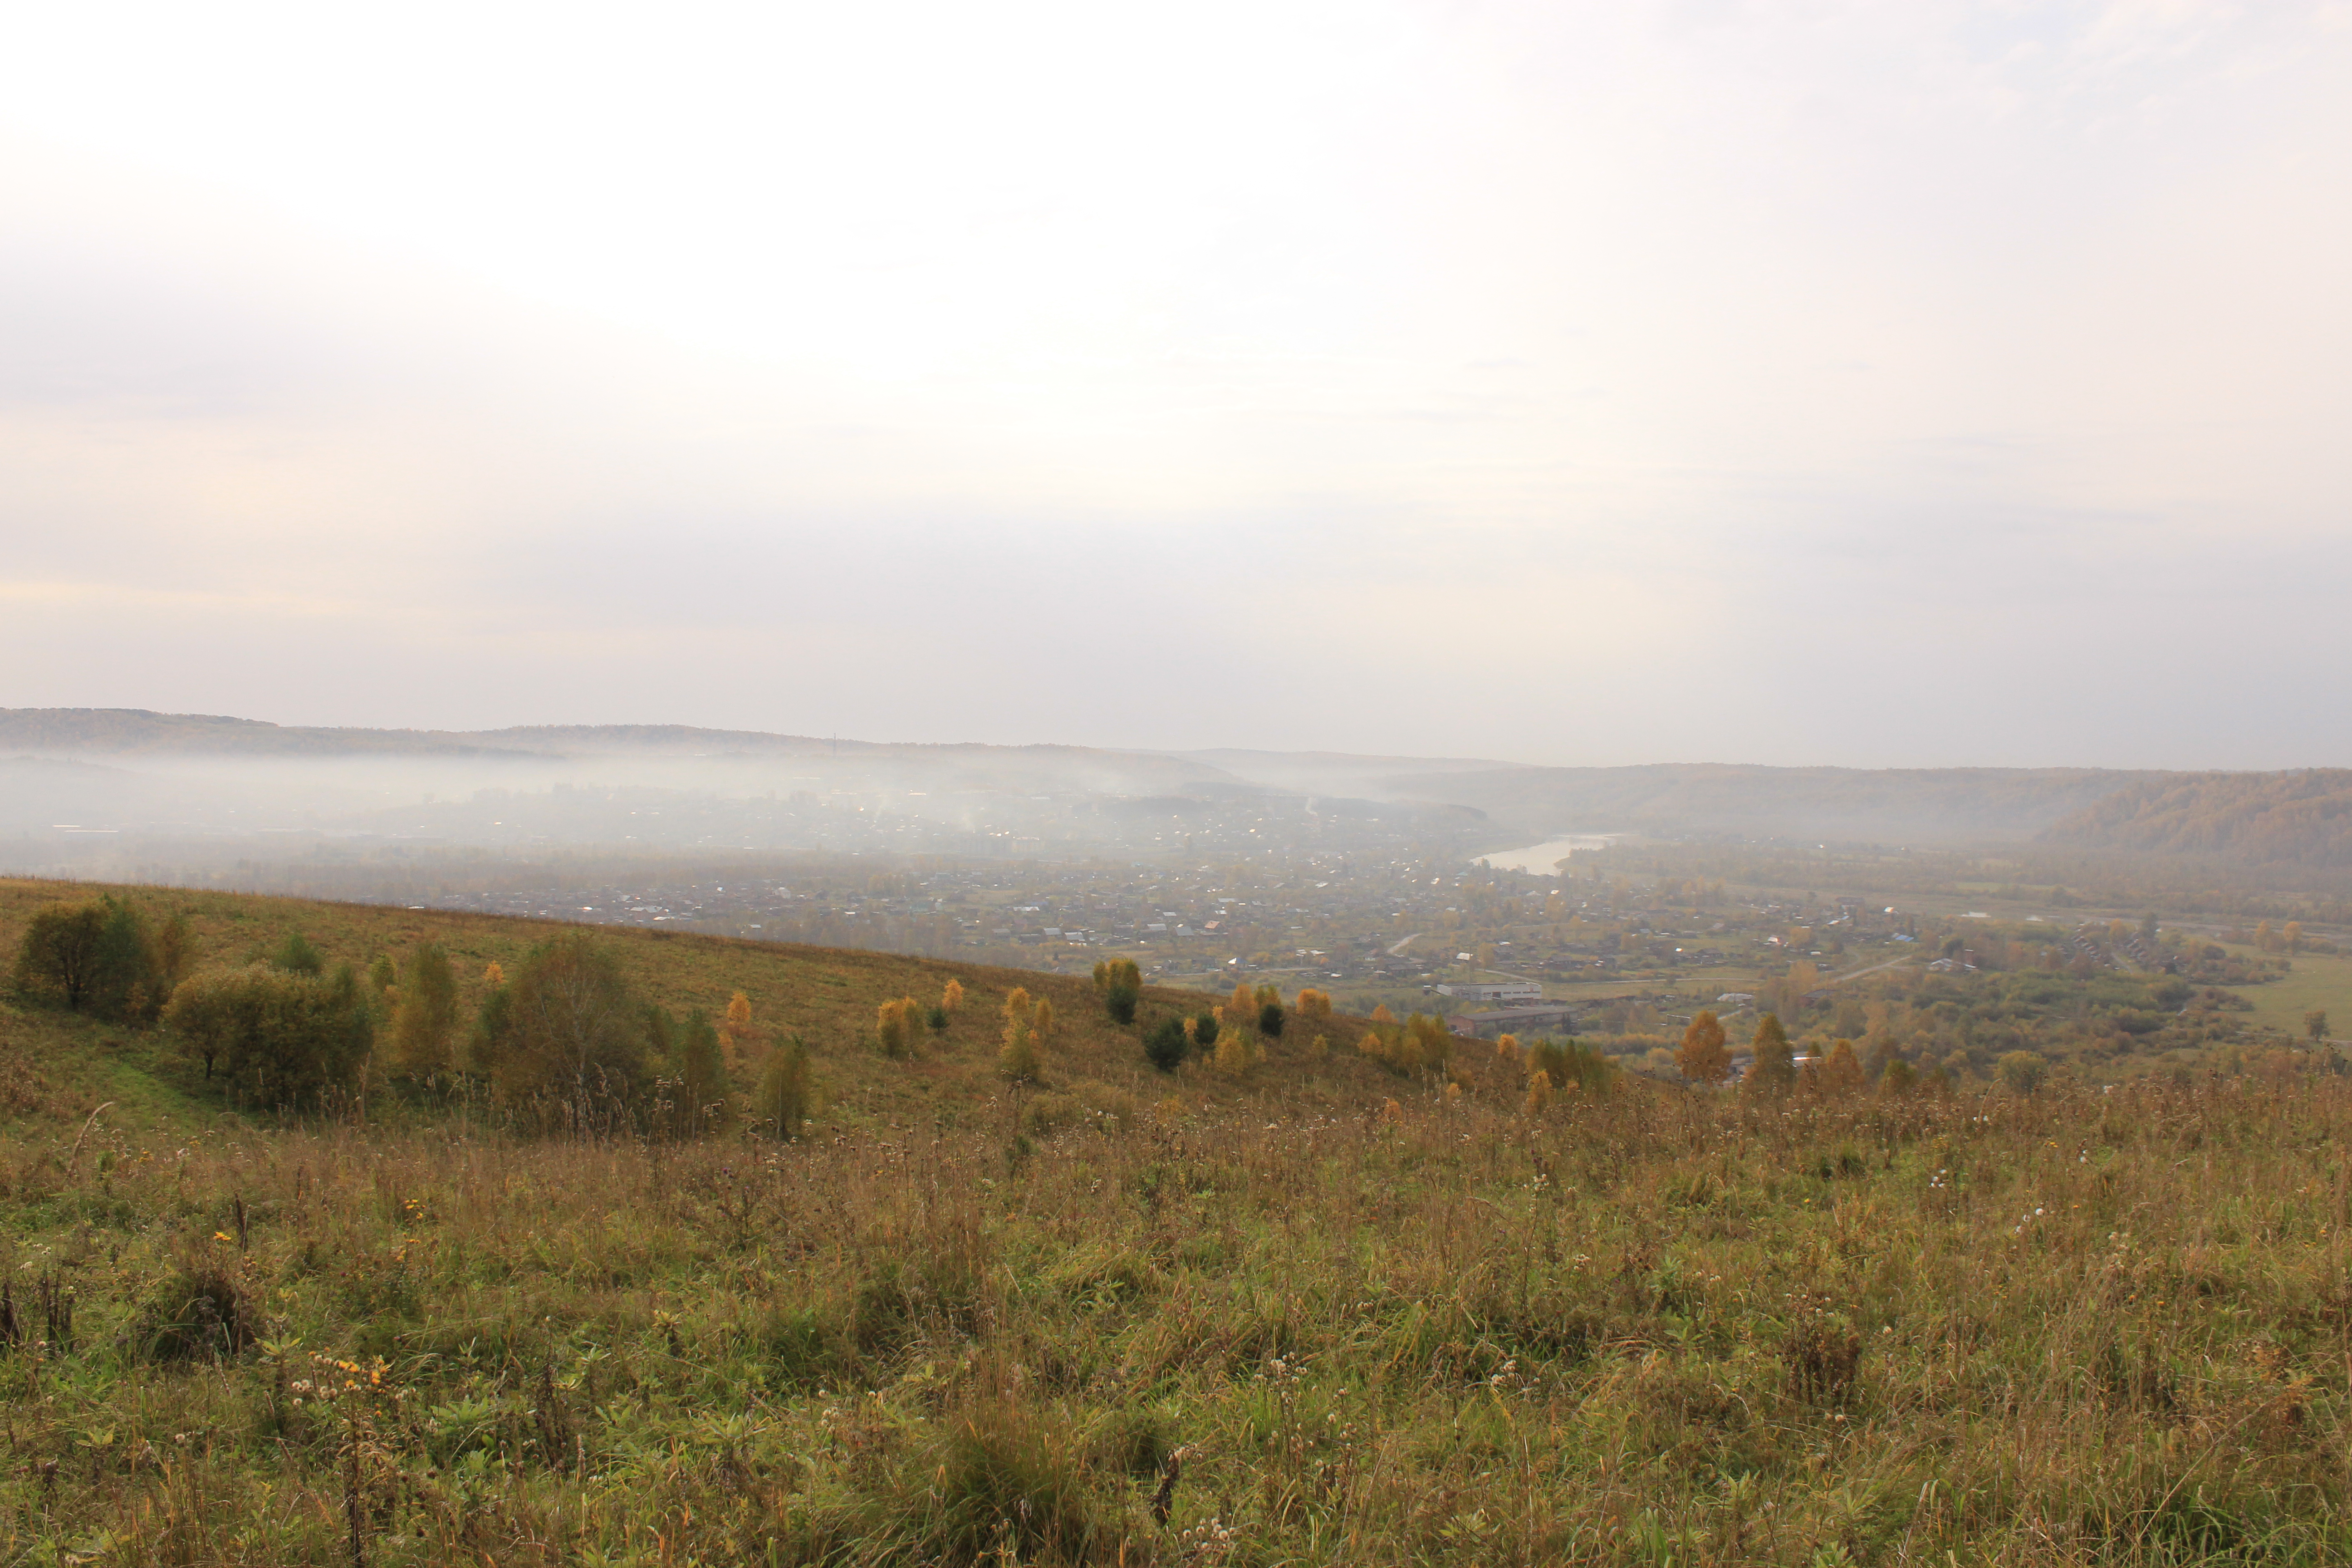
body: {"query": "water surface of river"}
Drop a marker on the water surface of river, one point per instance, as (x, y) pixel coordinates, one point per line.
(1542, 860)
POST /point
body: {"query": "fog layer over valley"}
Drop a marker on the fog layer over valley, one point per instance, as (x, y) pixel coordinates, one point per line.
(1349, 871)
(160, 796)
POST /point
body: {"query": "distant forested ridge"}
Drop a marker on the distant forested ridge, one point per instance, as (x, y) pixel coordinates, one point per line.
(128, 732)
(2304, 818)
(136, 731)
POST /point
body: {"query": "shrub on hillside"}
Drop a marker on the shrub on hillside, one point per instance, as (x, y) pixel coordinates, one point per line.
(2021, 1072)
(1434, 1039)
(493, 1023)
(1401, 1055)
(1121, 984)
(1570, 1063)
(699, 1069)
(898, 1027)
(279, 1038)
(1016, 1060)
(1703, 1057)
(425, 1017)
(1236, 1053)
(571, 1041)
(102, 958)
(786, 1097)
(1773, 1071)
(1167, 1045)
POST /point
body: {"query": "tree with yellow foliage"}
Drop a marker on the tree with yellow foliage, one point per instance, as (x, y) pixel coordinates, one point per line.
(1236, 1052)
(1041, 1020)
(1313, 1006)
(1506, 1048)
(1703, 1057)
(1380, 1014)
(1774, 1069)
(425, 1020)
(735, 1028)
(952, 998)
(1121, 984)
(1539, 1093)
(1434, 1039)
(786, 1095)
(1841, 1073)
(1016, 1060)
(898, 1027)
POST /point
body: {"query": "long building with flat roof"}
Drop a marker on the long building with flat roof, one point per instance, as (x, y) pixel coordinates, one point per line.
(1557, 1015)
(1486, 992)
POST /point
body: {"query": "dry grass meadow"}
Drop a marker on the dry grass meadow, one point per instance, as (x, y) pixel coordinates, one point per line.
(1140, 1320)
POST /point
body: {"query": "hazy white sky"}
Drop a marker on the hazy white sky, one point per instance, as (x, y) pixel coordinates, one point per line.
(1905, 382)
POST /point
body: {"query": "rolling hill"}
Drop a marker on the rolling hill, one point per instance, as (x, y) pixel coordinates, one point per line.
(827, 997)
(2302, 818)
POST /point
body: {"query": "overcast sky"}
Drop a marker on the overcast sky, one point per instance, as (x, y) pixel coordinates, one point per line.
(1874, 383)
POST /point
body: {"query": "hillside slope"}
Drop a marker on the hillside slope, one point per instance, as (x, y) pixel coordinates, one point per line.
(826, 996)
(2055, 1326)
(2304, 818)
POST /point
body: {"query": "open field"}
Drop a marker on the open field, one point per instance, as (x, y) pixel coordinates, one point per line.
(1318, 1314)
(2319, 981)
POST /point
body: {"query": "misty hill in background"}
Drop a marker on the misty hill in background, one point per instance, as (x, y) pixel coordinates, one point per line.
(2261, 819)
(135, 732)
(1891, 805)
(134, 773)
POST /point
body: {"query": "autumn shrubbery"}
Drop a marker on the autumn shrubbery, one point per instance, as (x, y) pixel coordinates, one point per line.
(104, 957)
